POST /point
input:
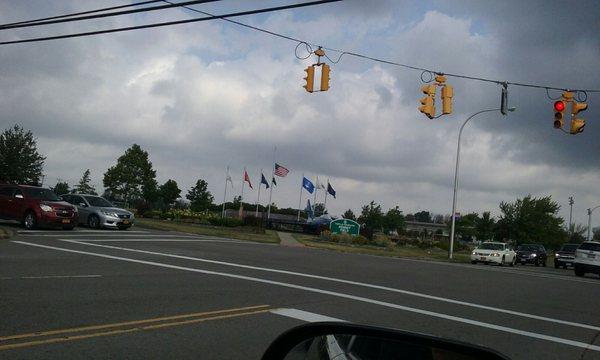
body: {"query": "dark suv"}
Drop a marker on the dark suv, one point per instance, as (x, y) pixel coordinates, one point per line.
(565, 256)
(35, 206)
(532, 254)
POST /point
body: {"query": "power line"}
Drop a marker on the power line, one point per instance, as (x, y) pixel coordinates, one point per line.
(107, 31)
(68, 18)
(388, 62)
(82, 13)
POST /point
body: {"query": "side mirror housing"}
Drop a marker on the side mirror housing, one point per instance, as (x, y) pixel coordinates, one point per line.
(340, 340)
(82, 204)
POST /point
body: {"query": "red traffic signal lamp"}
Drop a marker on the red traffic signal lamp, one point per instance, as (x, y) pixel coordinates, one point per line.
(559, 111)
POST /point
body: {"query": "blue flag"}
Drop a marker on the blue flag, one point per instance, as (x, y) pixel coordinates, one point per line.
(308, 185)
(274, 182)
(263, 180)
(309, 210)
(330, 190)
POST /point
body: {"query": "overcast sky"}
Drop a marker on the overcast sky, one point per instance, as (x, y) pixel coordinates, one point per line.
(201, 96)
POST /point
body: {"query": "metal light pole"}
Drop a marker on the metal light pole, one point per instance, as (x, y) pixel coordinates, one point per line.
(590, 211)
(571, 202)
(450, 250)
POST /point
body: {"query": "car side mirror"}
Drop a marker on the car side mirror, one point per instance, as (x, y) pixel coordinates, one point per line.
(337, 340)
(82, 204)
(18, 196)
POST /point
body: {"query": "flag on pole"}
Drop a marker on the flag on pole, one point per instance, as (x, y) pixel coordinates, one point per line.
(247, 179)
(280, 171)
(263, 180)
(308, 185)
(273, 181)
(228, 179)
(330, 190)
(309, 210)
(319, 185)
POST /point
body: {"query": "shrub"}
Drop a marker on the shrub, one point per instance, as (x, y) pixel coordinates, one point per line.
(360, 240)
(382, 240)
(344, 238)
(326, 236)
(229, 222)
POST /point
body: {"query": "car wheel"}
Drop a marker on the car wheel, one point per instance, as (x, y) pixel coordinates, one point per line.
(537, 262)
(30, 221)
(544, 263)
(513, 262)
(93, 221)
(473, 262)
(556, 266)
(502, 261)
(578, 271)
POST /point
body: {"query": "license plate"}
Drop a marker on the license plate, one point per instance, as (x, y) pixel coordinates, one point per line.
(125, 222)
(482, 258)
(591, 256)
(66, 221)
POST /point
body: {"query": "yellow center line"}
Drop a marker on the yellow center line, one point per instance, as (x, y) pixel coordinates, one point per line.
(135, 322)
(123, 331)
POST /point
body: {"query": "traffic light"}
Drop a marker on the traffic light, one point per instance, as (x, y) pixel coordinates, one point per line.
(559, 111)
(325, 77)
(310, 78)
(447, 93)
(577, 125)
(428, 102)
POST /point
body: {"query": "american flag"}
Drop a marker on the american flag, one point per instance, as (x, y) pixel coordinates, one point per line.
(281, 171)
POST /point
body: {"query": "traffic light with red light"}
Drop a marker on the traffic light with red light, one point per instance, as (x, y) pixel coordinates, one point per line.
(559, 111)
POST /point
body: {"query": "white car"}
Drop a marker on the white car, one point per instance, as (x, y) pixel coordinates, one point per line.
(494, 253)
(587, 258)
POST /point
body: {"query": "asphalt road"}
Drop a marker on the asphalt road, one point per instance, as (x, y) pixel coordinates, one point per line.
(144, 294)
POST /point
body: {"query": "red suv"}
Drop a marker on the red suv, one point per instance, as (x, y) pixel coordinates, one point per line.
(35, 206)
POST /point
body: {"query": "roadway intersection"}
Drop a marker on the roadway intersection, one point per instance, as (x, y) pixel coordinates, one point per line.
(150, 294)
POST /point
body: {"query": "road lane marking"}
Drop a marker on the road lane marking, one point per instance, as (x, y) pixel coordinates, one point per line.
(458, 319)
(372, 286)
(116, 235)
(79, 231)
(158, 240)
(51, 277)
(129, 323)
(303, 315)
(131, 330)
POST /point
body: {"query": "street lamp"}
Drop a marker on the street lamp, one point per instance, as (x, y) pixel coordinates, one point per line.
(590, 211)
(450, 250)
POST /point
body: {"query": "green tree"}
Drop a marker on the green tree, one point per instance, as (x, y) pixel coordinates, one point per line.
(132, 177)
(20, 162)
(423, 216)
(596, 234)
(531, 220)
(200, 198)
(84, 187)
(372, 217)
(484, 226)
(319, 209)
(169, 192)
(394, 220)
(465, 226)
(237, 201)
(61, 188)
(577, 233)
(349, 214)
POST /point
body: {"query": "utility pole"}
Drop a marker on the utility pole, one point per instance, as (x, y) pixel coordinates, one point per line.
(571, 202)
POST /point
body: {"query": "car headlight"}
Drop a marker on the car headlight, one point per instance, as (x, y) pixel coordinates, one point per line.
(45, 208)
(533, 255)
(110, 213)
(557, 255)
(495, 254)
(474, 253)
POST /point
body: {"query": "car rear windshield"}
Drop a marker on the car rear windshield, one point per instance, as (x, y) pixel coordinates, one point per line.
(491, 247)
(528, 247)
(569, 247)
(590, 246)
(97, 201)
(42, 194)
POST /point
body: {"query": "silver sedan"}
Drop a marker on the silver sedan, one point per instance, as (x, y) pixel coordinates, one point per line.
(97, 212)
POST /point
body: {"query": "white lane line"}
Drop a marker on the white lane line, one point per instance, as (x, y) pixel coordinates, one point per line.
(155, 240)
(118, 235)
(80, 231)
(51, 277)
(336, 294)
(303, 315)
(379, 287)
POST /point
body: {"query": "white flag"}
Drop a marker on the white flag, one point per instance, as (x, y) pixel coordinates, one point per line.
(228, 179)
(319, 185)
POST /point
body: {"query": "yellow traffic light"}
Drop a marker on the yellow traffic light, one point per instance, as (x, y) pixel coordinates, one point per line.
(447, 93)
(428, 102)
(310, 78)
(577, 126)
(325, 77)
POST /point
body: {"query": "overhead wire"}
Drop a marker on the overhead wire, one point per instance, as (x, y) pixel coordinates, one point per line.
(169, 23)
(310, 45)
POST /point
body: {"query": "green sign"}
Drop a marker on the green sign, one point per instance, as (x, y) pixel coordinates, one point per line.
(346, 226)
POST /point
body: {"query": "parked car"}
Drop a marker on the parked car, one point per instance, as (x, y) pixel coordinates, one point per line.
(36, 206)
(587, 258)
(532, 254)
(494, 253)
(97, 212)
(565, 256)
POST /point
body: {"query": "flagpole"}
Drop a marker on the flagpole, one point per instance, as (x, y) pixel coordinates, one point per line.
(225, 194)
(271, 191)
(242, 195)
(258, 197)
(314, 206)
(300, 201)
(326, 192)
